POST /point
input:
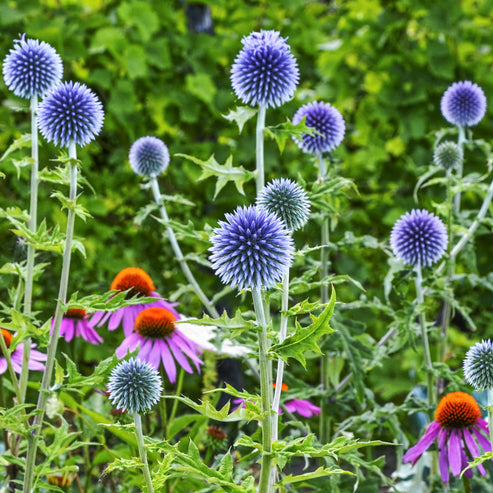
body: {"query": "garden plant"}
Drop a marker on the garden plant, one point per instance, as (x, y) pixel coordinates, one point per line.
(246, 246)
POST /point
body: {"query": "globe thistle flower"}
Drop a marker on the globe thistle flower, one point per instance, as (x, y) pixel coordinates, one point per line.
(75, 323)
(457, 422)
(160, 341)
(327, 121)
(32, 68)
(70, 112)
(478, 365)
(287, 200)
(448, 155)
(463, 103)
(251, 249)
(149, 156)
(134, 386)
(35, 357)
(139, 284)
(419, 237)
(265, 71)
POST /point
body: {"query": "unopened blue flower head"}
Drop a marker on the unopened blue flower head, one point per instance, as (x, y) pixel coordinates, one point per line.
(327, 121)
(463, 104)
(478, 365)
(149, 156)
(32, 68)
(419, 237)
(265, 71)
(448, 155)
(251, 249)
(71, 111)
(288, 200)
(134, 386)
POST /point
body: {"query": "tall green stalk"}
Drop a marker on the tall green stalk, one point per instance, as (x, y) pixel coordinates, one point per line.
(142, 452)
(33, 212)
(178, 253)
(265, 483)
(259, 147)
(62, 298)
(432, 399)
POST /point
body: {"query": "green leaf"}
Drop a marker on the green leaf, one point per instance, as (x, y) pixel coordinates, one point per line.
(236, 324)
(478, 460)
(23, 141)
(284, 131)
(224, 173)
(306, 338)
(241, 115)
(201, 86)
(318, 473)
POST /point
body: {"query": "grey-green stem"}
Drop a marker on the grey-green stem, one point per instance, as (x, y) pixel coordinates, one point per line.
(33, 213)
(266, 478)
(424, 335)
(178, 253)
(259, 148)
(52, 347)
(142, 452)
(461, 138)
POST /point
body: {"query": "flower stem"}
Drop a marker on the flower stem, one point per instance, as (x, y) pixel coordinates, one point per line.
(33, 212)
(259, 148)
(424, 336)
(52, 347)
(324, 298)
(460, 169)
(265, 484)
(280, 363)
(490, 415)
(179, 386)
(142, 452)
(178, 253)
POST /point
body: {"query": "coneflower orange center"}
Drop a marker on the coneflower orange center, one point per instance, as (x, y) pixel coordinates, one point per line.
(76, 313)
(457, 410)
(135, 279)
(155, 322)
(7, 336)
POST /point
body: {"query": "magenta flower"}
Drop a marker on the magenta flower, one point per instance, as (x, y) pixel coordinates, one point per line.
(159, 340)
(457, 424)
(303, 407)
(75, 323)
(35, 357)
(140, 284)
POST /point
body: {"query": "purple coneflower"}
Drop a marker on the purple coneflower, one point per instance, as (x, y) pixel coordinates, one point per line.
(75, 323)
(457, 424)
(140, 284)
(160, 341)
(35, 357)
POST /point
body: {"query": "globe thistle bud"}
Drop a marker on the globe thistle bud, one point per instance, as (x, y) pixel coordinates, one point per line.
(69, 112)
(419, 237)
(265, 71)
(134, 386)
(478, 365)
(448, 155)
(286, 199)
(326, 120)
(149, 156)
(251, 249)
(463, 103)
(32, 68)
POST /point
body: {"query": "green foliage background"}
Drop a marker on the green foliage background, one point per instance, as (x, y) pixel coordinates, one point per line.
(383, 64)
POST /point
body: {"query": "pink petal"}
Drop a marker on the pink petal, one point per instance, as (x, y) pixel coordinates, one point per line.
(146, 348)
(99, 318)
(115, 319)
(128, 344)
(483, 441)
(154, 357)
(442, 455)
(185, 347)
(179, 356)
(464, 463)
(454, 452)
(68, 329)
(3, 365)
(168, 362)
(129, 317)
(88, 333)
(16, 358)
(414, 453)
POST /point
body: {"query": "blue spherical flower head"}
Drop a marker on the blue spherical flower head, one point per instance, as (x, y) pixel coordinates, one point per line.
(251, 249)
(419, 238)
(71, 111)
(265, 71)
(478, 365)
(32, 68)
(448, 155)
(463, 103)
(327, 121)
(149, 156)
(287, 200)
(134, 386)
